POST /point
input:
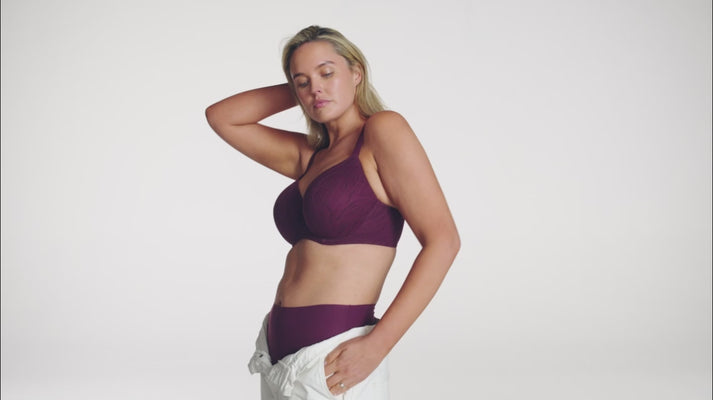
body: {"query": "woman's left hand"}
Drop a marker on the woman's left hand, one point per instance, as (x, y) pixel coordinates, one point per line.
(350, 363)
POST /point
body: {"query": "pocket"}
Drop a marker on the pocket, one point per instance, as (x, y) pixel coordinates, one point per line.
(312, 384)
(374, 387)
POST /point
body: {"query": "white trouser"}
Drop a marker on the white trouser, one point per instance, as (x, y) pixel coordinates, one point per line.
(300, 376)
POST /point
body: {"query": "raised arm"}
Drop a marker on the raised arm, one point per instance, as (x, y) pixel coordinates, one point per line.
(412, 187)
(236, 120)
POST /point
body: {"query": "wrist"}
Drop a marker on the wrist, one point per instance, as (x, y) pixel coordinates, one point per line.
(377, 341)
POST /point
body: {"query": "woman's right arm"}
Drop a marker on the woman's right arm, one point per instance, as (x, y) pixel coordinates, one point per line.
(235, 119)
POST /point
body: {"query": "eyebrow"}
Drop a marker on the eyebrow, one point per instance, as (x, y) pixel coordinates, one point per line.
(322, 64)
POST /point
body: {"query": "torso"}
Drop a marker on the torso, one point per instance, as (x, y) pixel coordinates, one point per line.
(336, 274)
(333, 274)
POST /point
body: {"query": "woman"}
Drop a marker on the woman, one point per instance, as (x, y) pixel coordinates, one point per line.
(359, 173)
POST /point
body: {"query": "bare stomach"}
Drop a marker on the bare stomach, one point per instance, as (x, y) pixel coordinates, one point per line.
(335, 274)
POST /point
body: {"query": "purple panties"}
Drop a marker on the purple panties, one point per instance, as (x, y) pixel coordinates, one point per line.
(292, 328)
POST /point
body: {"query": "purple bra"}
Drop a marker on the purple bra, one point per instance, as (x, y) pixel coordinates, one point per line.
(338, 207)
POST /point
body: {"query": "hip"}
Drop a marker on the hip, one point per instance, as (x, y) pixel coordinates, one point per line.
(301, 376)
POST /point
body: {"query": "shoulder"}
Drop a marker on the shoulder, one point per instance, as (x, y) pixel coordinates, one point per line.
(382, 120)
(387, 128)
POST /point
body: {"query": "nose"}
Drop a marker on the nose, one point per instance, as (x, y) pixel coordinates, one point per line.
(316, 87)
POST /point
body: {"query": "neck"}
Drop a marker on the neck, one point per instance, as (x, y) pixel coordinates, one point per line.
(349, 123)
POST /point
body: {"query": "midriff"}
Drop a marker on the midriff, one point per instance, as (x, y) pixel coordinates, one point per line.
(333, 274)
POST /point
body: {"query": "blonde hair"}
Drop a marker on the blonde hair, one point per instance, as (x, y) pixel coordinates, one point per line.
(365, 98)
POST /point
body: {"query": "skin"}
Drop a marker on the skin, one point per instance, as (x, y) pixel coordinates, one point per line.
(398, 172)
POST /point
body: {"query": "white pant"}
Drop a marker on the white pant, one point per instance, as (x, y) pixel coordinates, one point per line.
(300, 376)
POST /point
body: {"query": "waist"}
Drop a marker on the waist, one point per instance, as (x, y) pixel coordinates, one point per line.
(341, 274)
(310, 253)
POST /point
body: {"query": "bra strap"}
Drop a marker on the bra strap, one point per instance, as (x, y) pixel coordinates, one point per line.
(355, 152)
(359, 143)
(309, 164)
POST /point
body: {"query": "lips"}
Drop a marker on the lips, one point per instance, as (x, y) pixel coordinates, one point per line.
(320, 103)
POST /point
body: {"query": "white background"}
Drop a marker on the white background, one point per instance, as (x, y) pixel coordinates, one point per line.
(572, 139)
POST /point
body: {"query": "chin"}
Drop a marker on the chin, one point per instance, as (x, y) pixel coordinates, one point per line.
(322, 118)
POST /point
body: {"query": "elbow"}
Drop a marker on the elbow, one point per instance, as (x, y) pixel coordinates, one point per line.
(210, 115)
(214, 118)
(453, 243)
(456, 243)
(450, 243)
(447, 243)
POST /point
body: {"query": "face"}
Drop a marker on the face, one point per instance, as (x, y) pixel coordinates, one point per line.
(324, 83)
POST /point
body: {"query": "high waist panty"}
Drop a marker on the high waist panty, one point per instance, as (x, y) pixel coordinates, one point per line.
(292, 328)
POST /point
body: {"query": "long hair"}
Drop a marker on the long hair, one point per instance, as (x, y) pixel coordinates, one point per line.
(365, 98)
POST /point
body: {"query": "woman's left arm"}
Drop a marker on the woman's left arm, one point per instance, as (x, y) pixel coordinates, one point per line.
(412, 187)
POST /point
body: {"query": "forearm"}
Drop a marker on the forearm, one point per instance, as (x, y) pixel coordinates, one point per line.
(424, 279)
(251, 106)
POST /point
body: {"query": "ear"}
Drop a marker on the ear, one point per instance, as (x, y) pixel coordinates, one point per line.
(357, 74)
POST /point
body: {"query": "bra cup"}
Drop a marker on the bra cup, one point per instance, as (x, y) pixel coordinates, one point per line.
(338, 207)
(336, 204)
(287, 213)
